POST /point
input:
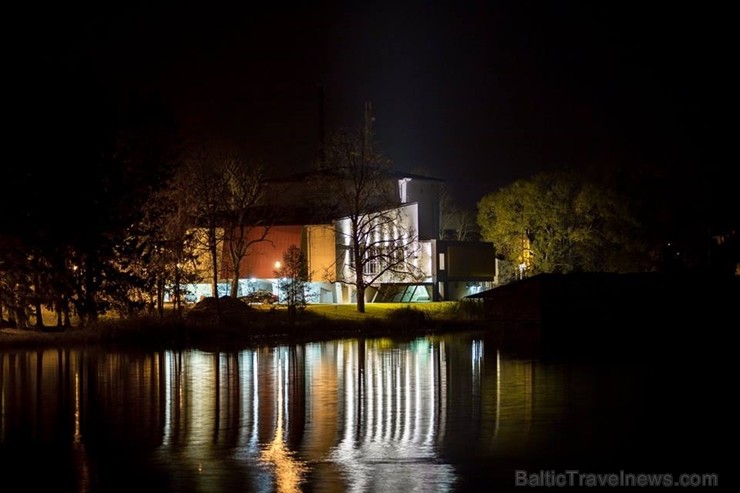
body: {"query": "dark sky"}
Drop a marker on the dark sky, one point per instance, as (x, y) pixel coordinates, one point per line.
(477, 93)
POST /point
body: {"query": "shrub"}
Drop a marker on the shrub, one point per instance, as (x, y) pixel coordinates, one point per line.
(233, 311)
(407, 316)
(465, 310)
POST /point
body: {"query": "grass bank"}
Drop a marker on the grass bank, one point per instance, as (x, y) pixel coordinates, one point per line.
(244, 325)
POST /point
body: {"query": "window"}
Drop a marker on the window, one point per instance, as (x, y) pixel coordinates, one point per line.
(402, 189)
(371, 267)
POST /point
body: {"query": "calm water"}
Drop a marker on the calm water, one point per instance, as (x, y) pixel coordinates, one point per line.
(442, 413)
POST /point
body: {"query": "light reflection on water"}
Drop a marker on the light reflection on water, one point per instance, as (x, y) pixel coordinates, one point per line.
(443, 413)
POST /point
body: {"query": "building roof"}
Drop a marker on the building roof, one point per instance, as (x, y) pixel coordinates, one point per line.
(304, 175)
(658, 284)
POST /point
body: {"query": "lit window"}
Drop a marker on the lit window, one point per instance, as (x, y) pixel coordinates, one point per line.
(402, 189)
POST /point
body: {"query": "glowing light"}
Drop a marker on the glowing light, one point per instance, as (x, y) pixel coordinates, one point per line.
(288, 470)
(277, 264)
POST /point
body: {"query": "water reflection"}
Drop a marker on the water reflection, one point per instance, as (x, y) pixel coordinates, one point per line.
(435, 413)
(391, 405)
(287, 470)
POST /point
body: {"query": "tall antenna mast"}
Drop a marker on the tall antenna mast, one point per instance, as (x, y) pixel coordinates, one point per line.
(322, 138)
(368, 127)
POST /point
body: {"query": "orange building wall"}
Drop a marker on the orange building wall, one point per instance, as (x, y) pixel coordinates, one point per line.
(260, 262)
(321, 253)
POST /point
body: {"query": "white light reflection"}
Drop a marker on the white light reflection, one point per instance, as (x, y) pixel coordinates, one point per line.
(476, 349)
(195, 416)
(255, 401)
(379, 449)
(167, 431)
(498, 394)
(83, 479)
(443, 390)
(248, 383)
(77, 435)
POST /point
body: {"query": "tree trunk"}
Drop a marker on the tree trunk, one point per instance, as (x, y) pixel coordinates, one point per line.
(65, 313)
(20, 317)
(360, 298)
(235, 261)
(177, 300)
(359, 269)
(39, 314)
(90, 304)
(37, 304)
(214, 257)
(214, 260)
(235, 285)
(160, 298)
(91, 308)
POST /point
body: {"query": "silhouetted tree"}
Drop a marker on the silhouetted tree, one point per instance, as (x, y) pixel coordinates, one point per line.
(165, 239)
(248, 218)
(207, 192)
(95, 159)
(456, 222)
(16, 291)
(375, 238)
(293, 278)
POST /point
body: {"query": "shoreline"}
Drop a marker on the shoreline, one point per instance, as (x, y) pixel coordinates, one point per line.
(243, 325)
(181, 334)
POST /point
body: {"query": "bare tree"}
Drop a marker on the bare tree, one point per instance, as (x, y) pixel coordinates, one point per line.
(16, 291)
(293, 278)
(376, 235)
(456, 222)
(248, 220)
(167, 243)
(208, 189)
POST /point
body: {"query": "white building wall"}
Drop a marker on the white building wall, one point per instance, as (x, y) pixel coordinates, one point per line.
(408, 217)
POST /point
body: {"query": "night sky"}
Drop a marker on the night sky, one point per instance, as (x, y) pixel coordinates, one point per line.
(477, 93)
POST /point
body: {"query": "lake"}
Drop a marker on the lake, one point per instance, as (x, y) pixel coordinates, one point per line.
(450, 412)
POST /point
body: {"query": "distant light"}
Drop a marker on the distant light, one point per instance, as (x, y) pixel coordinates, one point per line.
(277, 264)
